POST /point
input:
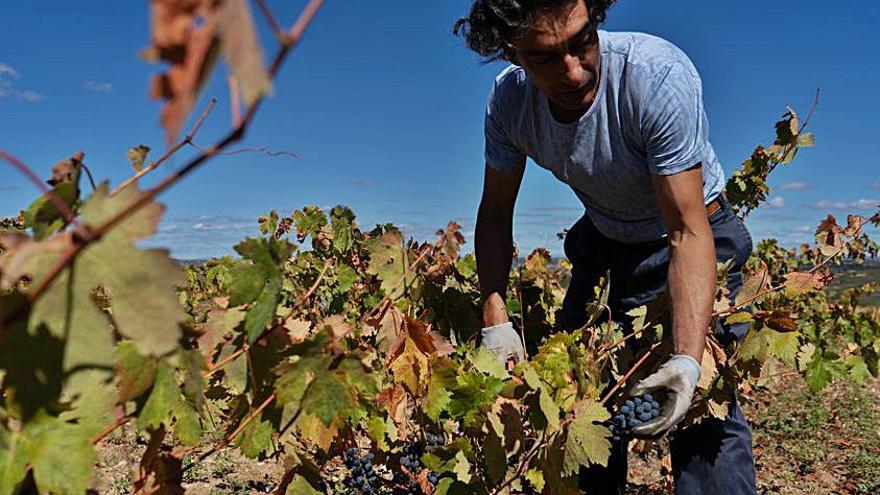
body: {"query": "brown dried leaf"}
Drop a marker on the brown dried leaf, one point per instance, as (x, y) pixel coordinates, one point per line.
(67, 170)
(828, 237)
(395, 400)
(161, 470)
(797, 283)
(854, 225)
(427, 342)
(781, 321)
(242, 51)
(191, 50)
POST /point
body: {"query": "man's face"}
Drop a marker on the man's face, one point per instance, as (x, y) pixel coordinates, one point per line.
(560, 53)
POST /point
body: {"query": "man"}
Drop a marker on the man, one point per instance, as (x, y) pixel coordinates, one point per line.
(618, 117)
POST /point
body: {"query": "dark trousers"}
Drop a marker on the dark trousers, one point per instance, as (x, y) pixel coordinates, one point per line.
(714, 457)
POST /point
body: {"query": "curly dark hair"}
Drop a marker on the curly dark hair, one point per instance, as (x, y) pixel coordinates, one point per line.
(494, 25)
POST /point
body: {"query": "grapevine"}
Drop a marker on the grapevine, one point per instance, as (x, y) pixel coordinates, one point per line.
(331, 347)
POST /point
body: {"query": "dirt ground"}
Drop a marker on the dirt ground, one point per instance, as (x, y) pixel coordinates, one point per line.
(804, 443)
(828, 443)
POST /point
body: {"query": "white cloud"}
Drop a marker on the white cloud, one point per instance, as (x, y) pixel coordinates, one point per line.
(31, 96)
(98, 86)
(802, 229)
(365, 183)
(9, 73)
(862, 204)
(794, 186)
(6, 69)
(876, 184)
(776, 203)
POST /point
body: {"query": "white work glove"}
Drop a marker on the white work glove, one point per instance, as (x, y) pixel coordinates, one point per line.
(677, 379)
(503, 341)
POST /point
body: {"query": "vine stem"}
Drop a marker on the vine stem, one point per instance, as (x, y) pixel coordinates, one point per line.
(50, 193)
(523, 465)
(522, 312)
(169, 153)
(789, 147)
(88, 235)
(629, 373)
(110, 429)
(770, 290)
(277, 30)
(226, 441)
(607, 349)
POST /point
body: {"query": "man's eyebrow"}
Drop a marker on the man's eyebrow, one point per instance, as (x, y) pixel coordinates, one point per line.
(583, 33)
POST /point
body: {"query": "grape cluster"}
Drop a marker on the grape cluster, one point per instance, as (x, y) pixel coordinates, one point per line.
(362, 476)
(632, 413)
(412, 461)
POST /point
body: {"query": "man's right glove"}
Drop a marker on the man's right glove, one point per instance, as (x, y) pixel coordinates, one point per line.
(504, 342)
(677, 378)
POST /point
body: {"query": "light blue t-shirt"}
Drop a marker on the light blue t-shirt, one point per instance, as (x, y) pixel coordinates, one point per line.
(647, 118)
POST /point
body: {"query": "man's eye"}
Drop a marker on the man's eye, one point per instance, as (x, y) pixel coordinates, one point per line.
(541, 60)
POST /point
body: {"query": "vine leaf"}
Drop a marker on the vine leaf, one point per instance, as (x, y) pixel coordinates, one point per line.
(301, 486)
(137, 156)
(389, 261)
(586, 443)
(59, 453)
(163, 400)
(161, 469)
(241, 50)
(43, 217)
(134, 373)
(190, 49)
(256, 439)
(258, 279)
(410, 367)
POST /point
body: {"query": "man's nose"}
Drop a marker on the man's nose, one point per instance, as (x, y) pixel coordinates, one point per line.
(575, 74)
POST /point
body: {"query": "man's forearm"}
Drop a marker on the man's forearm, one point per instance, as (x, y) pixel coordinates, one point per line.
(692, 280)
(493, 247)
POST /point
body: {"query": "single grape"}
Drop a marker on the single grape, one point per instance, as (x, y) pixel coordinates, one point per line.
(648, 397)
(645, 416)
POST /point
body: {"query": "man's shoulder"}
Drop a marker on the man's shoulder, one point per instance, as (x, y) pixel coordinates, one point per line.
(510, 82)
(650, 54)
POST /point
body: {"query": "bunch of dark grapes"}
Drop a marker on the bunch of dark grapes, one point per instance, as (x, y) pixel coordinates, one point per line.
(412, 461)
(632, 413)
(362, 477)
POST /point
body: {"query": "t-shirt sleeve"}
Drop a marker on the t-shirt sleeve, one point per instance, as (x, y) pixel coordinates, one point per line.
(673, 121)
(501, 153)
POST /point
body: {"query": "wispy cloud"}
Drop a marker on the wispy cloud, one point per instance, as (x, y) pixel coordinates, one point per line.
(794, 186)
(9, 75)
(862, 204)
(876, 184)
(98, 86)
(776, 203)
(31, 96)
(6, 69)
(365, 183)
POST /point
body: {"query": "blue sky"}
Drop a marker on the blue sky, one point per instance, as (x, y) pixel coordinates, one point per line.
(384, 108)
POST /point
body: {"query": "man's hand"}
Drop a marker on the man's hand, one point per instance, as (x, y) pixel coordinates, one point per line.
(503, 341)
(677, 379)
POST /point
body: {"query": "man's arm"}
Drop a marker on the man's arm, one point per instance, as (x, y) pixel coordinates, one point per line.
(692, 276)
(493, 241)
